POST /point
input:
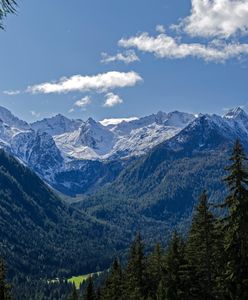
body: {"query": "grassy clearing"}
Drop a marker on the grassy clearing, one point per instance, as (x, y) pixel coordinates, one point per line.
(77, 280)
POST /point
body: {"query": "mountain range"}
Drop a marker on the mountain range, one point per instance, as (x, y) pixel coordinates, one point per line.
(78, 157)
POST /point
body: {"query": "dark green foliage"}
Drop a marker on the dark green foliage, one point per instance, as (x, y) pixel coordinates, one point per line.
(201, 252)
(155, 269)
(42, 290)
(90, 293)
(174, 261)
(211, 264)
(4, 286)
(135, 273)
(163, 200)
(74, 294)
(113, 289)
(235, 227)
(6, 7)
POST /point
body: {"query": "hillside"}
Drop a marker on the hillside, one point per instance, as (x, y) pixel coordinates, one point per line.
(41, 236)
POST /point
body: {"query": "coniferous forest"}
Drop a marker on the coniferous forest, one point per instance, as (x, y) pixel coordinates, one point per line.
(210, 262)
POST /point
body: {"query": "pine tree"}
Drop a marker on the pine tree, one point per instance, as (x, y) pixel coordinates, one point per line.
(174, 262)
(74, 294)
(90, 291)
(161, 291)
(201, 253)
(135, 273)
(235, 226)
(155, 265)
(4, 286)
(112, 289)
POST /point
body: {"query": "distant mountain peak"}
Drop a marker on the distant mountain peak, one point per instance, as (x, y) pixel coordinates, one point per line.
(235, 113)
(56, 125)
(7, 117)
(91, 121)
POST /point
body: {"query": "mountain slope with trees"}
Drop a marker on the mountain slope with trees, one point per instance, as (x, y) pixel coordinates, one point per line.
(43, 237)
(209, 263)
(159, 191)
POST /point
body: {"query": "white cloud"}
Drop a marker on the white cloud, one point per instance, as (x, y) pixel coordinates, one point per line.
(71, 110)
(217, 18)
(12, 93)
(83, 102)
(100, 82)
(160, 29)
(126, 57)
(116, 121)
(165, 46)
(35, 114)
(112, 100)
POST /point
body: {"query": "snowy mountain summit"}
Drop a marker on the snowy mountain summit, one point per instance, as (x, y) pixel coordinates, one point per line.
(92, 140)
(72, 153)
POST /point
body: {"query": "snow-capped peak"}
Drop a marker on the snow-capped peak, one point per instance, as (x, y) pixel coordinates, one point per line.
(178, 119)
(57, 125)
(8, 118)
(93, 134)
(235, 113)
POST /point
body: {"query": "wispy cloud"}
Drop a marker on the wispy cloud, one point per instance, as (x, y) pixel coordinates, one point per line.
(160, 28)
(216, 18)
(79, 83)
(112, 100)
(127, 57)
(81, 103)
(35, 114)
(165, 46)
(12, 93)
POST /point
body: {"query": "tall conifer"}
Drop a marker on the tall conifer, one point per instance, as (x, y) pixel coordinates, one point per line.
(235, 226)
(174, 262)
(112, 289)
(90, 291)
(201, 252)
(135, 273)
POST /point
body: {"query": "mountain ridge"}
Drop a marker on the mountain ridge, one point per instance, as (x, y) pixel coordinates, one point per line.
(57, 147)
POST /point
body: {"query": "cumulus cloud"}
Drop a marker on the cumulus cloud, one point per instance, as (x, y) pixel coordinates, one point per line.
(115, 121)
(78, 83)
(126, 57)
(165, 46)
(12, 93)
(217, 18)
(112, 100)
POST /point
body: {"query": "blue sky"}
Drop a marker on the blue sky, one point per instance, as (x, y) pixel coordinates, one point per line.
(52, 57)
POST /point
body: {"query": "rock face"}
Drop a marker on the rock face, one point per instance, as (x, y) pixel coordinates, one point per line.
(75, 156)
(38, 150)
